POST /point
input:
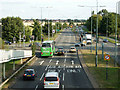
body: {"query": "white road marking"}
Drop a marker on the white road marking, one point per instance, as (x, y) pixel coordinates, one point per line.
(72, 62)
(46, 67)
(63, 87)
(42, 76)
(57, 62)
(63, 76)
(65, 61)
(36, 87)
(41, 62)
(50, 61)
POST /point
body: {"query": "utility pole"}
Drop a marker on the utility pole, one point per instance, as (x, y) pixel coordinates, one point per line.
(41, 24)
(116, 26)
(48, 31)
(23, 36)
(96, 59)
(91, 29)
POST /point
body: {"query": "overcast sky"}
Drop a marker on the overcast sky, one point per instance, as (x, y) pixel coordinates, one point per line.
(58, 9)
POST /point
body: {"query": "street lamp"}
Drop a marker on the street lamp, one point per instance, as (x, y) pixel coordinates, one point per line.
(116, 26)
(96, 28)
(91, 22)
(48, 27)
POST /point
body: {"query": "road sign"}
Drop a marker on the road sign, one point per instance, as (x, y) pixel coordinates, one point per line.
(53, 31)
(106, 57)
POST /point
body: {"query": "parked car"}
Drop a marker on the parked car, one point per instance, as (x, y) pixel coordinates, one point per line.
(72, 49)
(60, 51)
(105, 40)
(8, 42)
(29, 74)
(51, 80)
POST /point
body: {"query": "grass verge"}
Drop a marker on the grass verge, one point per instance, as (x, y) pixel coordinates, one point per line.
(99, 73)
(112, 41)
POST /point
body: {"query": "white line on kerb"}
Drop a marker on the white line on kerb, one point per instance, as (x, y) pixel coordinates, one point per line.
(36, 87)
(42, 76)
(63, 76)
(62, 87)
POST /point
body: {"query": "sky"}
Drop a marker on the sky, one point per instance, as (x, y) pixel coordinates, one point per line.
(53, 9)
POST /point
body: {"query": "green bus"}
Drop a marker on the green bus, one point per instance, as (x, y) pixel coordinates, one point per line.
(48, 48)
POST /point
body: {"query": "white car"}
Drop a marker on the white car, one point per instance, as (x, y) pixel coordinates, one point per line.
(51, 80)
(72, 49)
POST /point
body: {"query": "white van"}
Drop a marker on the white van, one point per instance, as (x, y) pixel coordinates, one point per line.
(51, 80)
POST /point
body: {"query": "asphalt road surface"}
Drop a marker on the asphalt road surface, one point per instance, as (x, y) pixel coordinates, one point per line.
(71, 73)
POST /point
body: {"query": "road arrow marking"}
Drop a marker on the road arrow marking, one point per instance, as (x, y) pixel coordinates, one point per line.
(57, 62)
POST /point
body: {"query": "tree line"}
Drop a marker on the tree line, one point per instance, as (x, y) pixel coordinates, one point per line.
(106, 22)
(13, 27)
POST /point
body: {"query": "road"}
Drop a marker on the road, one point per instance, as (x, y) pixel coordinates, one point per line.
(108, 48)
(71, 73)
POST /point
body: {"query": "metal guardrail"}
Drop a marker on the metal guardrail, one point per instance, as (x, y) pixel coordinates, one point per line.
(6, 56)
(16, 72)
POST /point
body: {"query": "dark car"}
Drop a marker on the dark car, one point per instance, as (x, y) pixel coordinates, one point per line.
(29, 74)
(105, 40)
(36, 43)
(8, 42)
(60, 51)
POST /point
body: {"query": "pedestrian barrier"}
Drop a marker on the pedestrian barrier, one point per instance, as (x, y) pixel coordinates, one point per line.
(6, 56)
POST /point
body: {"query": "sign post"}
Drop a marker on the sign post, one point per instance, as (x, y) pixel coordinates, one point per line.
(107, 58)
(102, 51)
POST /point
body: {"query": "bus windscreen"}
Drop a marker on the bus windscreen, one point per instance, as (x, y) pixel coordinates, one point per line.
(46, 45)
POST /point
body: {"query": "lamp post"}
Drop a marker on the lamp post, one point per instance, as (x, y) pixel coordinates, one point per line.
(116, 26)
(96, 59)
(41, 24)
(48, 27)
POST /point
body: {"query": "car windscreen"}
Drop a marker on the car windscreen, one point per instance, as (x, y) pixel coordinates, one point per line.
(51, 78)
(72, 48)
(46, 45)
(88, 39)
(28, 72)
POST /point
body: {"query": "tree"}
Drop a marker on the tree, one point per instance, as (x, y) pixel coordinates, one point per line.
(36, 30)
(11, 28)
(94, 20)
(65, 25)
(28, 33)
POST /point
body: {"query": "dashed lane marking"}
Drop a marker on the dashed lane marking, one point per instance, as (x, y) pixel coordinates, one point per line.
(63, 76)
(50, 61)
(36, 87)
(42, 76)
(41, 62)
(63, 87)
(46, 67)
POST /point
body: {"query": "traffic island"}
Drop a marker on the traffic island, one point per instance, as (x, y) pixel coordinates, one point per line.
(97, 75)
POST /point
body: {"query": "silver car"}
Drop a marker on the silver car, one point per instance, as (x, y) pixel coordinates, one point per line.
(51, 80)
